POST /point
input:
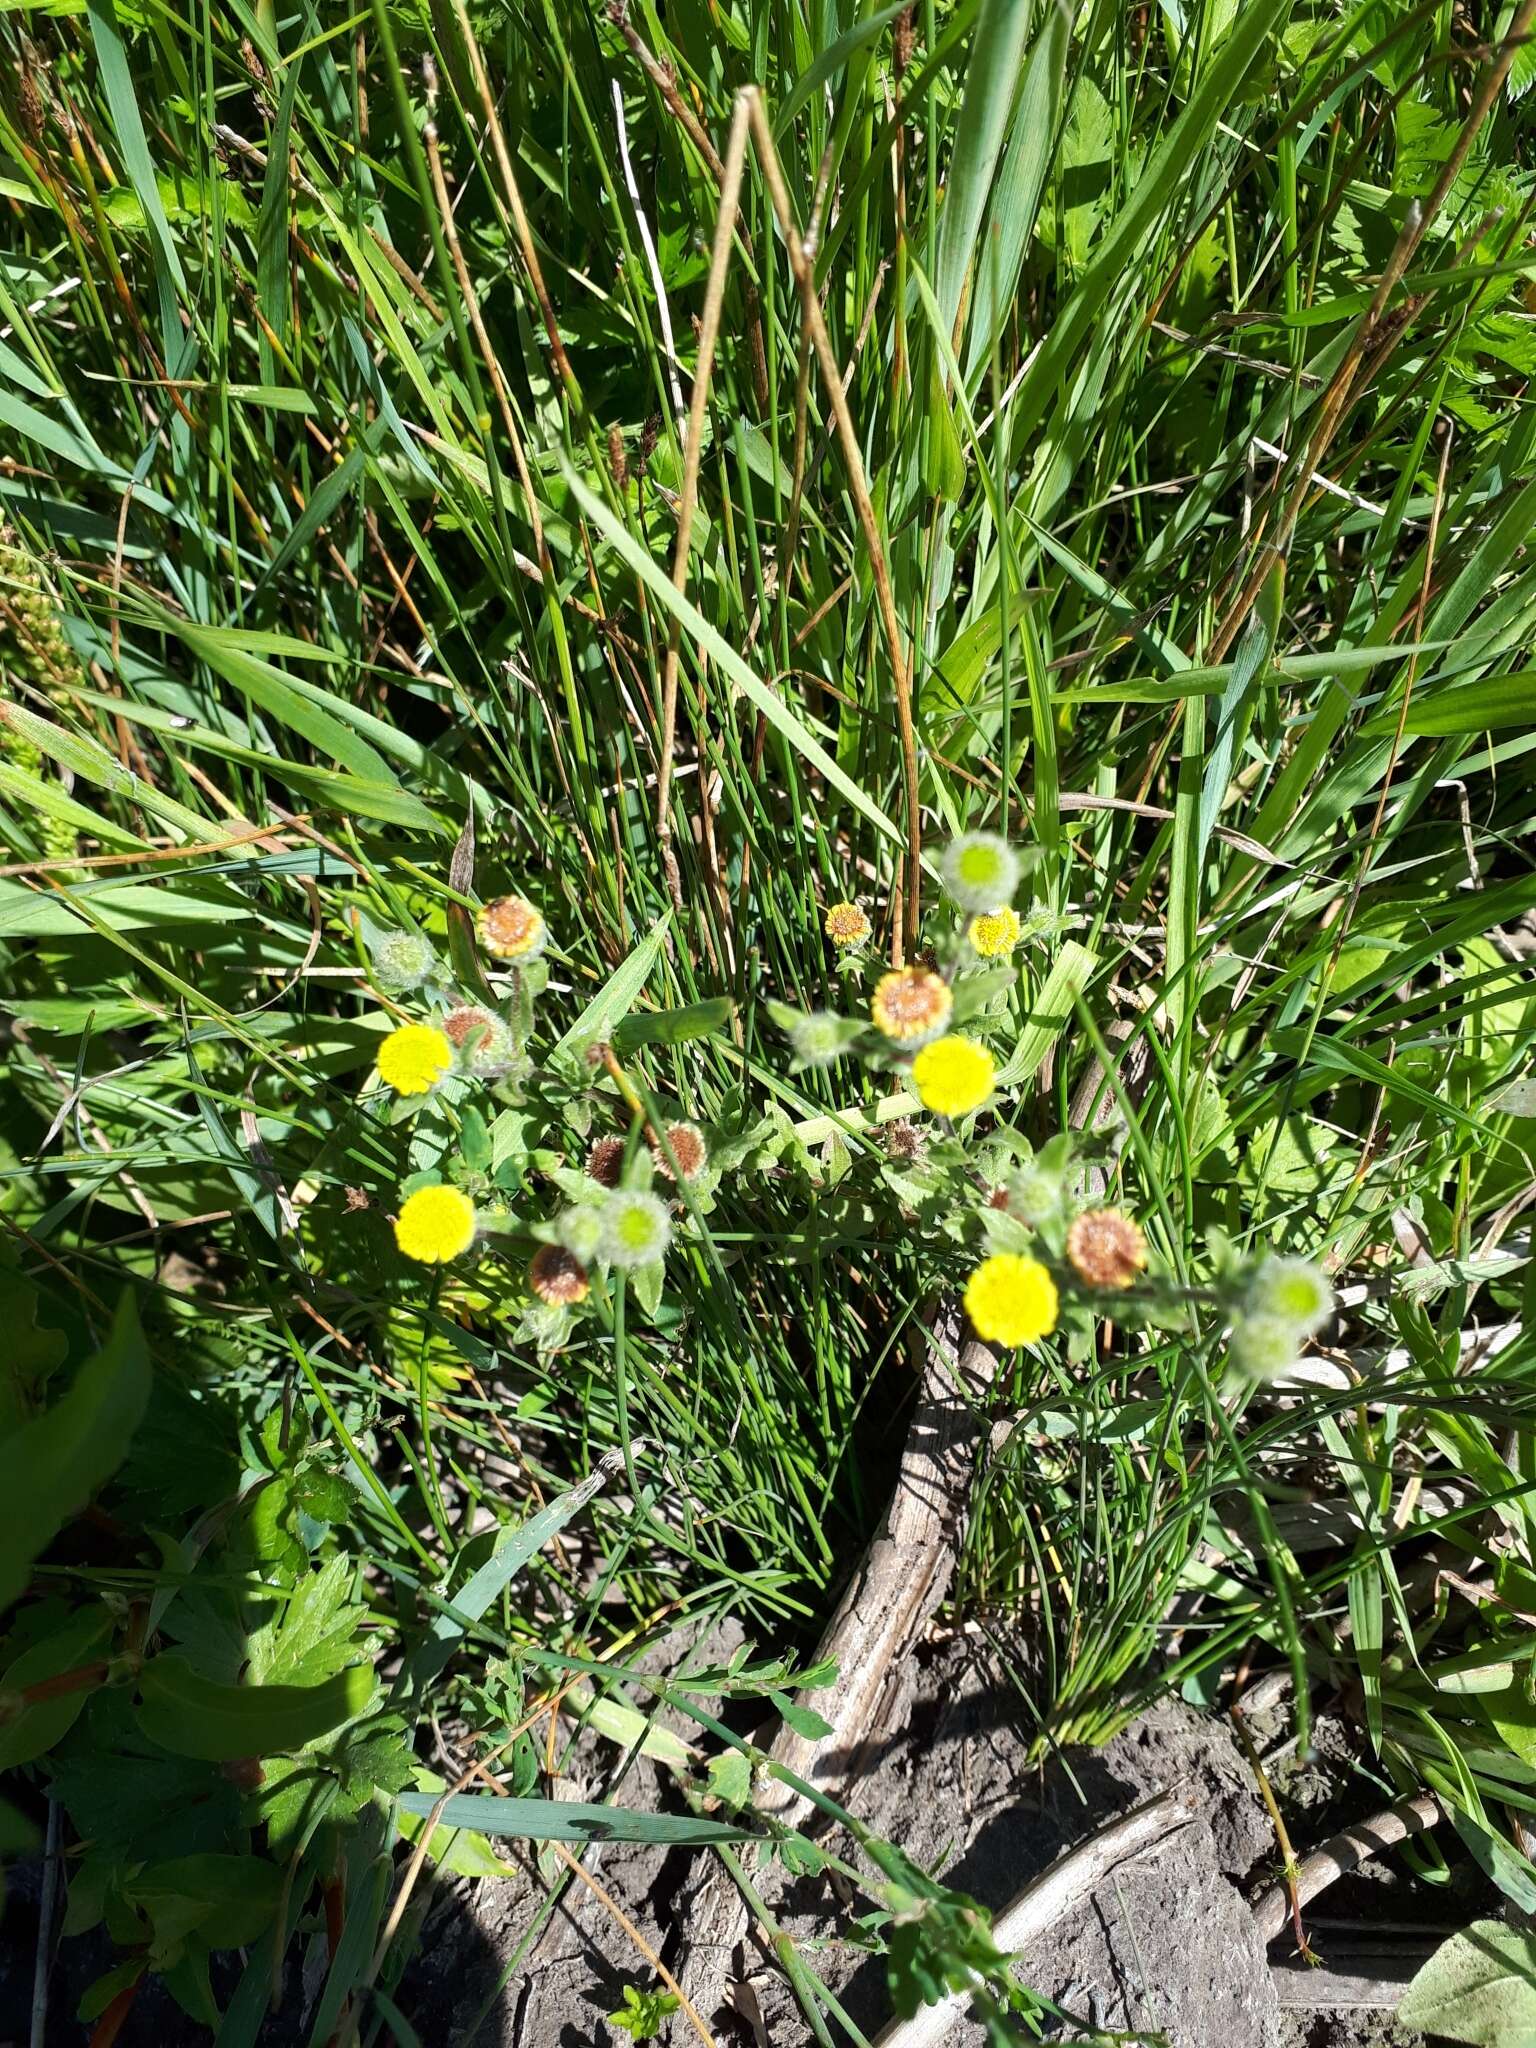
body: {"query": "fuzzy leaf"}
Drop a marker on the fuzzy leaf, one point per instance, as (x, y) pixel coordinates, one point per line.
(1479, 1987)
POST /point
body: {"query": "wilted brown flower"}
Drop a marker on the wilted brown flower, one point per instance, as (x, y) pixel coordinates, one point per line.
(905, 1143)
(605, 1161)
(511, 929)
(1105, 1248)
(459, 1023)
(688, 1149)
(618, 461)
(557, 1276)
(912, 1004)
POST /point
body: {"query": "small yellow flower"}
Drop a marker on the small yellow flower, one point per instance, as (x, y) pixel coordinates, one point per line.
(1011, 1300)
(435, 1225)
(846, 926)
(415, 1058)
(511, 929)
(995, 932)
(954, 1075)
(912, 1005)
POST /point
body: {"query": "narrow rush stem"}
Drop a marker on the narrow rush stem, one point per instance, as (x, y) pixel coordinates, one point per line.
(516, 208)
(831, 370)
(709, 330)
(482, 339)
(1348, 383)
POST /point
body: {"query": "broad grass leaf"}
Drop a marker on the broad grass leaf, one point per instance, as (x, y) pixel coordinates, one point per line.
(514, 1548)
(464, 1851)
(1484, 706)
(562, 1820)
(1050, 1013)
(991, 74)
(779, 714)
(674, 1027)
(830, 61)
(617, 995)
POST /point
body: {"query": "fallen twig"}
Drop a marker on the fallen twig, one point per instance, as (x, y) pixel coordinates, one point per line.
(1069, 1883)
(1343, 1853)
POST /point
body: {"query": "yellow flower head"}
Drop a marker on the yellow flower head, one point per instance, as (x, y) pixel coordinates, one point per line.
(511, 929)
(415, 1058)
(1011, 1300)
(846, 926)
(911, 1005)
(995, 932)
(435, 1225)
(954, 1075)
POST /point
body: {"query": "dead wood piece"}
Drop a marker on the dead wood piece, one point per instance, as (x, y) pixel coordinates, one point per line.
(1347, 1982)
(1345, 1852)
(878, 1623)
(905, 1573)
(1070, 1882)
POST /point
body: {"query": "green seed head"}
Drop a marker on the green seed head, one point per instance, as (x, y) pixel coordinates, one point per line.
(817, 1039)
(1034, 1196)
(580, 1230)
(635, 1228)
(1294, 1290)
(402, 961)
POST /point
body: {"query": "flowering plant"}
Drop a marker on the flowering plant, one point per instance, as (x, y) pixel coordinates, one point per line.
(565, 1165)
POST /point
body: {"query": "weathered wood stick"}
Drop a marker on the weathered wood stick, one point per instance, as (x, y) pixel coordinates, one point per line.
(1345, 1852)
(1070, 1882)
(905, 1573)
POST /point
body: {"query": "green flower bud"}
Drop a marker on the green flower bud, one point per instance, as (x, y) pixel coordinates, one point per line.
(1294, 1290)
(580, 1230)
(635, 1228)
(980, 871)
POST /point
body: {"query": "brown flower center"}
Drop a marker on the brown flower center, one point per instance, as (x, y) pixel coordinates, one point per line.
(911, 1001)
(688, 1149)
(461, 1024)
(509, 926)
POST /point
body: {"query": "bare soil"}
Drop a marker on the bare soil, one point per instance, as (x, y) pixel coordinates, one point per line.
(1167, 1949)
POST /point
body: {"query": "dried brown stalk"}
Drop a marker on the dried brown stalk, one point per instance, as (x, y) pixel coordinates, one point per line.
(709, 329)
(805, 277)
